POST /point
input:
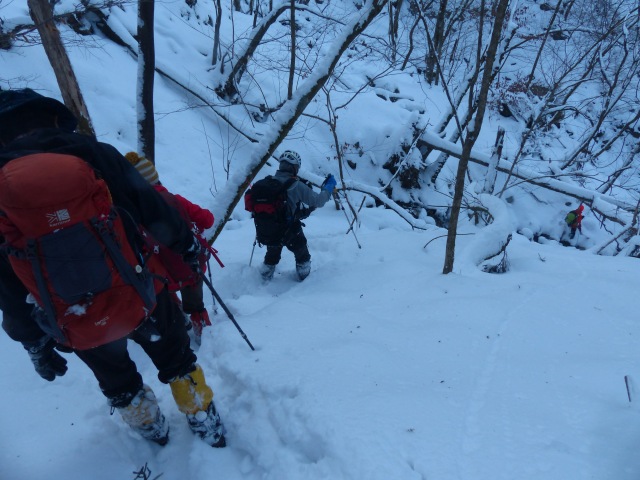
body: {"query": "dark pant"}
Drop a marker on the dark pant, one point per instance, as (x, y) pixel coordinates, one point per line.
(192, 298)
(164, 339)
(573, 231)
(16, 320)
(295, 241)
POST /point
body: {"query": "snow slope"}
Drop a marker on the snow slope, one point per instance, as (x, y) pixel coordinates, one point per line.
(377, 366)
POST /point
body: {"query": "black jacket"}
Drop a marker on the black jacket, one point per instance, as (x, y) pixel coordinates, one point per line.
(130, 193)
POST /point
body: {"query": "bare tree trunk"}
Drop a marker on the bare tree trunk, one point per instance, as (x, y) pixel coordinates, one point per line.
(393, 28)
(307, 90)
(216, 32)
(547, 182)
(542, 44)
(227, 87)
(431, 74)
(455, 101)
(407, 56)
(146, 73)
(473, 131)
(292, 66)
(392, 37)
(42, 14)
(490, 178)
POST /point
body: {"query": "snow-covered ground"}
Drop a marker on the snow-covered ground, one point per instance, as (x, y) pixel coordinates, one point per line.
(377, 366)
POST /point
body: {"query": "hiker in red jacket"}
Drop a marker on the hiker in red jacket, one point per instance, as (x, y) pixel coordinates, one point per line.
(41, 128)
(574, 220)
(184, 278)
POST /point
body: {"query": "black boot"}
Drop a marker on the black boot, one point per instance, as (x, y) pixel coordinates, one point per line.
(267, 271)
(208, 426)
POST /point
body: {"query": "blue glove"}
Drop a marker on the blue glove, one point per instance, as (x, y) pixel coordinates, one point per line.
(329, 184)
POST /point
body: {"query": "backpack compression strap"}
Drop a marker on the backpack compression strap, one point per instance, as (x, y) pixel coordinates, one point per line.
(51, 326)
(103, 229)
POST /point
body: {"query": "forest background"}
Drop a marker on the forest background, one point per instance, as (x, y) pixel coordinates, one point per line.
(482, 122)
(554, 84)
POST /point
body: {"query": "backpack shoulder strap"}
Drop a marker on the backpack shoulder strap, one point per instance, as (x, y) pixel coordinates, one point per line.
(286, 185)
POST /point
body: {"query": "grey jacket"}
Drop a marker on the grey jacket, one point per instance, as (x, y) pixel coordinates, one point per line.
(300, 195)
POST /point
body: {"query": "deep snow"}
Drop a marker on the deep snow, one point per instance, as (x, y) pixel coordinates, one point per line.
(375, 367)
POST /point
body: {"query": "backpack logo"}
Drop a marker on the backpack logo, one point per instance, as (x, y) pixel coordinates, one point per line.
(58, 218)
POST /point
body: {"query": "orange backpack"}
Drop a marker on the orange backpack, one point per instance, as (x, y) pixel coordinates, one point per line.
(68, 245)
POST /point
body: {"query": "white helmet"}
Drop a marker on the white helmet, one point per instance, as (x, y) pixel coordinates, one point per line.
(291, 157)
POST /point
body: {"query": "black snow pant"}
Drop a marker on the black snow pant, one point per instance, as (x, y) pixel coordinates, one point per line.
(295, 241)
(192, 298)
(164, 339)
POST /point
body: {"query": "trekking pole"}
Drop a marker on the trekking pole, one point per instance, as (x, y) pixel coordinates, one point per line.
(348, 221)
(252, 250)
(226, 310)
(215, 305)
(212, 252)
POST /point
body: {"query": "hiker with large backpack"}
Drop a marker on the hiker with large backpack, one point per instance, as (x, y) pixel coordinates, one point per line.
(74, 217)
(573, 220)
(183, 278)
(278, 204)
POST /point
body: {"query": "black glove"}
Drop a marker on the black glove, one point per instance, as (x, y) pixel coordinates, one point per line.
(192, 256)
(48, 363)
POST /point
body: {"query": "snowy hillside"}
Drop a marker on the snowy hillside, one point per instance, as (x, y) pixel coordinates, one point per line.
(377, 366)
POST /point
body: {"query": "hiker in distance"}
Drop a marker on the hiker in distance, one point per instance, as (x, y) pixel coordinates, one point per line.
(73, 215)
(279, 222)
(574, 220)
(184, 278)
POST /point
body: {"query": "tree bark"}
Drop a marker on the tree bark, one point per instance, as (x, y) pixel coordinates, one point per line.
(237, 185)
(216, 32)
(542, 44)
(473, 132)
(42, 14)
(146, 74)
(490, 178)
(550, 183)
(227, 87)
(292, 66)
(435, 48)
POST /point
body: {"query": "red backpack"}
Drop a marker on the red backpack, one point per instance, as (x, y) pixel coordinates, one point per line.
(180, 274)
(68, 245)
